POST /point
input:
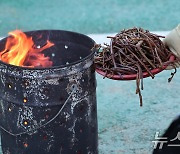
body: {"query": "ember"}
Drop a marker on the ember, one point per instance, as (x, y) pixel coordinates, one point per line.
(19, 50)
(133, 51)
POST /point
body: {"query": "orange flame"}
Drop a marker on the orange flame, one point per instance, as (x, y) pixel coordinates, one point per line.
(19, 51)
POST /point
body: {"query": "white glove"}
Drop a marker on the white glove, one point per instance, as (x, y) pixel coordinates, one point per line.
(172, 40)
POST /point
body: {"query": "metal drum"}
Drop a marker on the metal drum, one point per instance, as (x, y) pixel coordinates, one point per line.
(51, 110)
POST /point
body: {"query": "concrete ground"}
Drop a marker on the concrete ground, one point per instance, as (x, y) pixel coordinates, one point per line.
(124, 127)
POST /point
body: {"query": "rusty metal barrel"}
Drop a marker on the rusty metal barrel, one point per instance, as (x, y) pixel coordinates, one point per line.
(51, 110)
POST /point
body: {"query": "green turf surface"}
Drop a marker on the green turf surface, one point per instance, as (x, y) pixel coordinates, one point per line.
(88, 16)
(124, 127)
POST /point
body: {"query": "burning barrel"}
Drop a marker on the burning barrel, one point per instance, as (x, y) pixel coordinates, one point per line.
(48, 102)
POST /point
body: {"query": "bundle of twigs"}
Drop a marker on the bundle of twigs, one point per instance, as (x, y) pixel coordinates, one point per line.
(133, 51)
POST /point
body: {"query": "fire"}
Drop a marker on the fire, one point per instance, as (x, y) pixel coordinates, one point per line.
(19, 50)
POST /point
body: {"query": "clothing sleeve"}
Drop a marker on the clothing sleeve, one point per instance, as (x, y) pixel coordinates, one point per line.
(172, 40)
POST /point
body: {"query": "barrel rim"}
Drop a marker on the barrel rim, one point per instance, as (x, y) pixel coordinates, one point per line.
(61, 66)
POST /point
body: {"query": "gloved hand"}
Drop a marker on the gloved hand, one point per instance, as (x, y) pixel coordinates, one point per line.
(172, 40)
